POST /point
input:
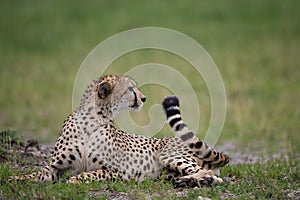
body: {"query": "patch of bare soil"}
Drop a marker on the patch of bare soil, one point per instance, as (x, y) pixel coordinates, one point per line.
(245, 155)
(31, 154)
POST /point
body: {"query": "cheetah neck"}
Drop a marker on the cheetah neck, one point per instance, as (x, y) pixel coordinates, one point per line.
(104, 116)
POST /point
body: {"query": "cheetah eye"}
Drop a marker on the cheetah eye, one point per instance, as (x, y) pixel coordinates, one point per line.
(130, 89)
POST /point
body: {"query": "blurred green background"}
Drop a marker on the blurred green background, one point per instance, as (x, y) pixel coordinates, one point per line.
(255, 44)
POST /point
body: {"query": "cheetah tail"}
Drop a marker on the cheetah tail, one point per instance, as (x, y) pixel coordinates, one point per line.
(209, 155)
(172, 110)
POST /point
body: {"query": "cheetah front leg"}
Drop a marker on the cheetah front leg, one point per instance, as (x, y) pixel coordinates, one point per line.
(45, 174)
(59, 163)
(97, 175)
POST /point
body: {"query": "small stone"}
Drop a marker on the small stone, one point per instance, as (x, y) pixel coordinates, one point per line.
(203, 198)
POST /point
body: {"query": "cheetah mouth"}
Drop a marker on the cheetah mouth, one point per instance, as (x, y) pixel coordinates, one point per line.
(136, 107)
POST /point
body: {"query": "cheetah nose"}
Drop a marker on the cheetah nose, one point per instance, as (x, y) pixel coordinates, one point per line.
(143, 99)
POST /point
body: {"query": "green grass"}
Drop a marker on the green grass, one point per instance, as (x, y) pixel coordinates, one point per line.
(246, 182)
(255, 45)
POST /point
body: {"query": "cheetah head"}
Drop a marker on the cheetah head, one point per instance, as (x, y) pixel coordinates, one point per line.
(118, 93)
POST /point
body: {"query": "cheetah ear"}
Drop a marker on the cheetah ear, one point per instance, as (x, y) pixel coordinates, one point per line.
(104, 89)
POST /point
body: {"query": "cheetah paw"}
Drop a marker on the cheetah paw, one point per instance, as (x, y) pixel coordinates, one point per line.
(203, 177)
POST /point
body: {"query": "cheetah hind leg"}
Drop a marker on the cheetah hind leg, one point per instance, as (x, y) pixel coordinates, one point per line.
(201, 178)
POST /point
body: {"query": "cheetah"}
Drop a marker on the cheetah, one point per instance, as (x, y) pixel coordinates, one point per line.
(92, 147)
